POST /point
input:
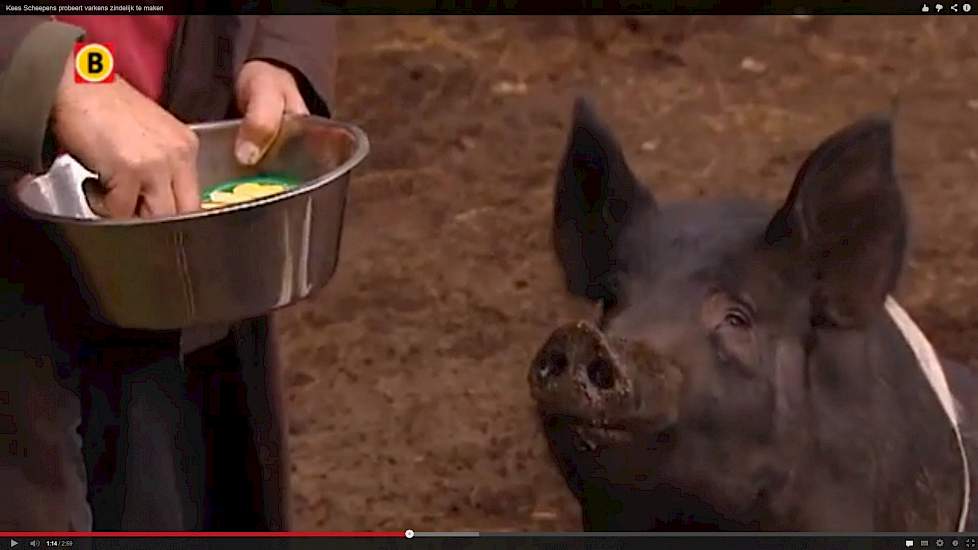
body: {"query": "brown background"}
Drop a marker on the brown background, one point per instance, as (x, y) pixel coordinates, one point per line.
(407, 374)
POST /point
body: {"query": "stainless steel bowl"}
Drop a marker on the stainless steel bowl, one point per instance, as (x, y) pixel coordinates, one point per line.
(212, 266)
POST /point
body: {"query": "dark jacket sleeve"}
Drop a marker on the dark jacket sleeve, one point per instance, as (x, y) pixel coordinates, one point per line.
(15, 29)
(307, 46)
(33, 52)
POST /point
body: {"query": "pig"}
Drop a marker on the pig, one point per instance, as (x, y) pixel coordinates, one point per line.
(747, 368)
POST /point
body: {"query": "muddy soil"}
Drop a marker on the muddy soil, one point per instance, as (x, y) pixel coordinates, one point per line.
(409, 406)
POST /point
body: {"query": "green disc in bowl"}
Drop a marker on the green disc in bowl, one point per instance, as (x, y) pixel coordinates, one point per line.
(229, 187)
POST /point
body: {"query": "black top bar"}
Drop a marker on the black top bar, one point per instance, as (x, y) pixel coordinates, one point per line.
(498, 7)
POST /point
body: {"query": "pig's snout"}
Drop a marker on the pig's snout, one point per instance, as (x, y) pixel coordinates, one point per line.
(577, 369)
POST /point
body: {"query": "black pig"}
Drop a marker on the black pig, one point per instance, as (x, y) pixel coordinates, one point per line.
(749, 369)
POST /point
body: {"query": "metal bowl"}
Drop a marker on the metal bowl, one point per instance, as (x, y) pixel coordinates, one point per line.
(212, 266)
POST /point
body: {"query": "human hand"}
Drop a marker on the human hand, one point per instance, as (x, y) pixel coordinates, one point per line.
(265, 93)
(145, 158)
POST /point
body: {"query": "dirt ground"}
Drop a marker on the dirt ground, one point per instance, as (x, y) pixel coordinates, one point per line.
(407, 375)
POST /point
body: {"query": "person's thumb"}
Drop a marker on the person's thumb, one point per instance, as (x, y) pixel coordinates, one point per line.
(261, 123)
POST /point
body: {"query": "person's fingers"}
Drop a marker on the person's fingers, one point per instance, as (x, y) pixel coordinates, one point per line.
(157, 195)
(118, 197)
(294, 104)
(186, 187)
(259, 127)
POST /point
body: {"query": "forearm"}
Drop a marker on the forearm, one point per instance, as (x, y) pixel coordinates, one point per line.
(307, 46)
(31, 74)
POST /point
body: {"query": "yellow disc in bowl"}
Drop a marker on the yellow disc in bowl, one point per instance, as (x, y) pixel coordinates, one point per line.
(241, 191)
(223, 197)
(251, 191)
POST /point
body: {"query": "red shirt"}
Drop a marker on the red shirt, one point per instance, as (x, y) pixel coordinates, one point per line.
(141, 45)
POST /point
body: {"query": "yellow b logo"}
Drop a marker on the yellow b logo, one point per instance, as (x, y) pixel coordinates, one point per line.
(94, 63)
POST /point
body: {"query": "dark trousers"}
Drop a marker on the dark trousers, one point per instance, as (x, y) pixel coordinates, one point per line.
(166, 443)
(107, 429)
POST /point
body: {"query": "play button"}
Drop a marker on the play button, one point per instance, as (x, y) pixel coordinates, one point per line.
(13, 543)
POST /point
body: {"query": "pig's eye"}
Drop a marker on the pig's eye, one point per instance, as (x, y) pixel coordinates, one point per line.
(737, 319)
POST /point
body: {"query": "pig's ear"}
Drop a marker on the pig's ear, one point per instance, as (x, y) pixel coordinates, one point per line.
(597, 198)
(845, 218)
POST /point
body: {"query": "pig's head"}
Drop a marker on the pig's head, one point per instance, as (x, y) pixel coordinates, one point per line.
(690, 402)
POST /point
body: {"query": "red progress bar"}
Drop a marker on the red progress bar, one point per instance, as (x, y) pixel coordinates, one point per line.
(198, 534)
